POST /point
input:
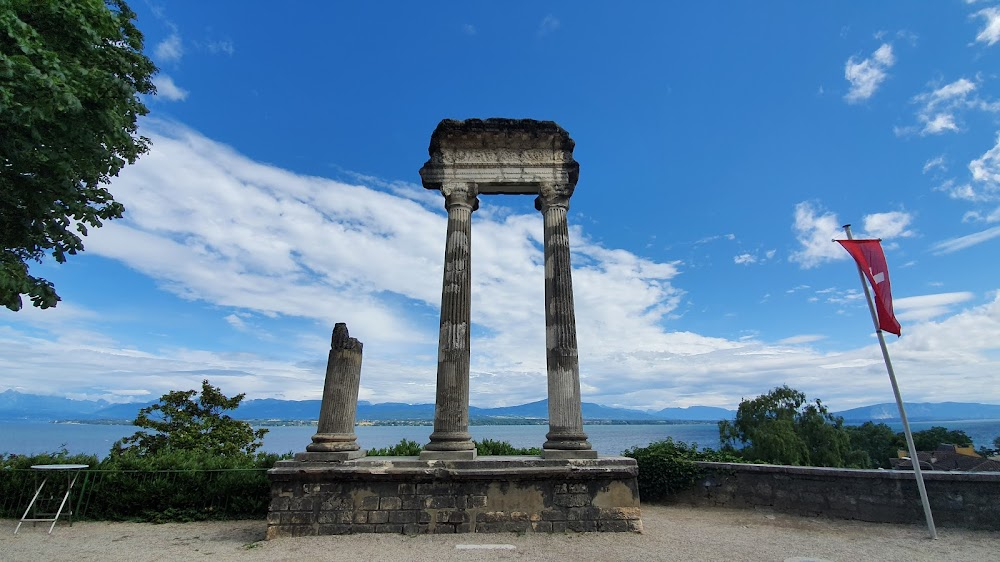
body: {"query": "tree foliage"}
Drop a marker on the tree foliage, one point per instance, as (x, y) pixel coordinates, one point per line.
(182, 423)
(931, 439)
(667, 467)
(782, 427)
(71, 72)
(878, 441)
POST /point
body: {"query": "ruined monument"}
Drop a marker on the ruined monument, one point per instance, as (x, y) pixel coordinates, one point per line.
(518, 157)
(333, 489)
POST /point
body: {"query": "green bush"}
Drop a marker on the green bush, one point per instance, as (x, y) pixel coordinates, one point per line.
(405, 448)
(667, 467)
(168, 486)
(488, 447)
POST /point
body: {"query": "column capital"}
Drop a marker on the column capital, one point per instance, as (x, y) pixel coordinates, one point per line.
(460, 194)
(553, 195)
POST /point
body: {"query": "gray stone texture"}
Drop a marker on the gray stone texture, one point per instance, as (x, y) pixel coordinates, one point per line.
(958, 499)
(505, 156)
(451, 410)
(335, 437)
(487, 495)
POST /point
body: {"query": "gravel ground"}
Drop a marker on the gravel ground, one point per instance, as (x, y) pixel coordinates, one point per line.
(671, 533)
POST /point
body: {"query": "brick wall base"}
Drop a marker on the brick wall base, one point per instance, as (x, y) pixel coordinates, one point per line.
(486, 495)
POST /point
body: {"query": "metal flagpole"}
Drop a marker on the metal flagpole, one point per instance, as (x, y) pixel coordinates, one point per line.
(914, 460)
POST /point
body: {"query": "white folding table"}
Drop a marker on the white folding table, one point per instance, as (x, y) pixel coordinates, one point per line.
(72, 472)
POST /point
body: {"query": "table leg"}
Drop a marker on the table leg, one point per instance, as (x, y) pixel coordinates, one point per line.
(26, 511)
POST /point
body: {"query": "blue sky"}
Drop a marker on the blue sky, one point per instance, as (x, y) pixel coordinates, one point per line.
(722, 146)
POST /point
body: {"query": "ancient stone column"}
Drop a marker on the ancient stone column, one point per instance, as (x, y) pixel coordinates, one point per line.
(451, 438)
(565, 438)
(335, 437)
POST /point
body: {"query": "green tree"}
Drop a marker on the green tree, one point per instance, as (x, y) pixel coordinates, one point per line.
(782, 427)
(930, 439)
(878, 441)
(182, 423)
(71, 72)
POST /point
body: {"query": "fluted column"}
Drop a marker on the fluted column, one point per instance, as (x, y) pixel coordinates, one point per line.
(565, 438)
(451, 438)
(335, 432)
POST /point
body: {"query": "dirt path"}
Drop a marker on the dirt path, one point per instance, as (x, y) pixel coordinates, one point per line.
(671, 533)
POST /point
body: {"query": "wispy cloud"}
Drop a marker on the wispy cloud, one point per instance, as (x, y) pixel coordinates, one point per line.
(220, 47)
(983, 184)
(866, 75)
(167, 89)
(888, 225)
(548, 25)
(925, 307)
(935, 164)
(967, 241)
(990, 33)
(815, 231)
(170, 49)
(941, 109)
(468, 29)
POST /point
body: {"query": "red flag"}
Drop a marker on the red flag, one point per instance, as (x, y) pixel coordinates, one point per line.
(871, 260)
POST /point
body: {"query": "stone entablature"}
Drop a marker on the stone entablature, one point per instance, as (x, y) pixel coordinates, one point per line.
(501, 156)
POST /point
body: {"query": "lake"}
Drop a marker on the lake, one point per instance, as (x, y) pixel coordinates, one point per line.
(33, 438)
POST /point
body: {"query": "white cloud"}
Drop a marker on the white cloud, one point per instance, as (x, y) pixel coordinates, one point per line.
(469, 29)
(976, 216)
(925, 307)
(888, 225)
(990, 33)
(745, 259)
(170, 49)
(166, 88)
(984, 173)
(935, 164)
(548, 25)
(805, 338)
(940, 110)
(269, 247)
(967, 241)
(815, 232)
(221, 47)
(867, 75)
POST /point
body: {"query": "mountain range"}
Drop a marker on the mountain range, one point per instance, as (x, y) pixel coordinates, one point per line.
(32, 407)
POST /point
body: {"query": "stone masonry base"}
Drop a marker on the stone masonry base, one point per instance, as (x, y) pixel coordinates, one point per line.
(486, 495)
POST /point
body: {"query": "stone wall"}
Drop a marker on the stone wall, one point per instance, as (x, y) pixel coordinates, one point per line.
(958, 499)
(496, 494)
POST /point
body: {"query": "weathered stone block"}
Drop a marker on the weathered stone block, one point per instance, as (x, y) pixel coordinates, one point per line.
(378, 517)
(369, 502)
(402, 517)
(390, 503)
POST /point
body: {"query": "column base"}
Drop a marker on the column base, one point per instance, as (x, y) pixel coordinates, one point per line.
(329, 456)
(569, 454)
(465, 455)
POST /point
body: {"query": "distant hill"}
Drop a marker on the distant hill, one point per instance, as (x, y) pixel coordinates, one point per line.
(923, 411)
(696, 413)
(15, 406)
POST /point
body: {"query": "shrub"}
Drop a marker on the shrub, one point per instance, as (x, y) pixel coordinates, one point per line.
(405, 448)
(488, 447)
(667, 467)
(169, 486)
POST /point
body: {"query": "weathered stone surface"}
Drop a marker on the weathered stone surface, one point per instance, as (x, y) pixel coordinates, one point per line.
(504, 156)
(335, 431)
(960, 499)
(491, 494)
